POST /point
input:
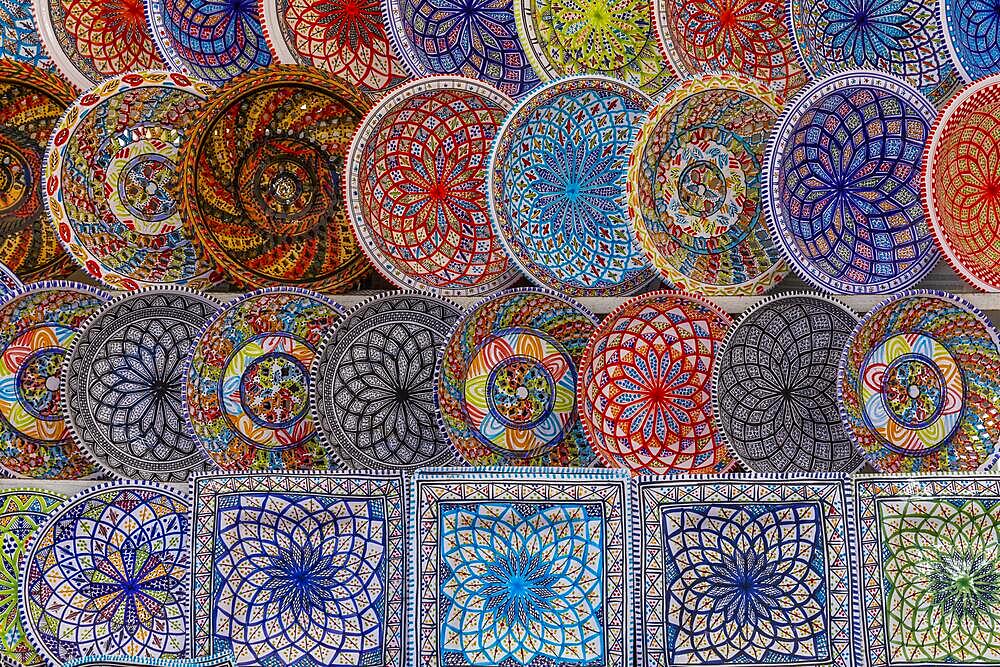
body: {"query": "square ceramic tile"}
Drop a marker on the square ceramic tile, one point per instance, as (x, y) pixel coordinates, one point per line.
(299, 569)
(526, 567)
(745, 571)
(930, 569)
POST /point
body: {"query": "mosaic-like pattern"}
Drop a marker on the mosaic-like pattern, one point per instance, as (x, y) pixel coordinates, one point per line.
(111, 173)
(899, 37)
(566, 37)
(37, 327)
(108, 574)
(695, 186)
(476, 39)
(22, 511)
(247, 384)
(526, 567)
(644, 389)
(31, 103)
(930, 576)
(918, 385)
(557, 187)
(417, 187)
(506, 387)
(373, 383)
(345, 37)
(212, 40)
(302, 570)
(745, 571)
(263, 179)
(844, 196)
(960, 177)
(775, 386)
(749, 37)
(972, 33)
(20, 39)
(122, 384)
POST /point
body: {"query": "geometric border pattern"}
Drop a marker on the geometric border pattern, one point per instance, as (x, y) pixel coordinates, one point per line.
(208, 491)
(523, 488)
(831, 491)
(870, 491)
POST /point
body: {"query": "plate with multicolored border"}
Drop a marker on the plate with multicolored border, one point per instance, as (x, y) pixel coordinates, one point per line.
(247, 385)
(111, 176)
(961, 176)
(566, 37)
(695, 186)
(22, 511)
(347, 39)
(556, 185)
(844, 190)
(898, 37)
(748, 37)
(90, 40)
(644, 389)
(774, 386)
(506, 380)
(109, 573)
(416, 176)
(373, 383)
(121, 384)
(213, 41)
(31, 103)
(37, 328)
(972, 32)
(917, 385)
(263, 179)
(476, 39)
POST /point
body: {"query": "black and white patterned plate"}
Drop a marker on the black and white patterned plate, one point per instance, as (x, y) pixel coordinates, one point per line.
(122, 384)
(373, 403)
(775, 386)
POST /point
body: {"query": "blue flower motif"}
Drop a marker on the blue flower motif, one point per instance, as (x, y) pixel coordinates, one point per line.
(866, 30)
(974, 27)
(522, 587)
(745, 584)
(300, 580)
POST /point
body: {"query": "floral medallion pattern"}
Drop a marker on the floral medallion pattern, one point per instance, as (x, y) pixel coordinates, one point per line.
(931, 585)
(745, 571)
(299, 570)
(522, 567)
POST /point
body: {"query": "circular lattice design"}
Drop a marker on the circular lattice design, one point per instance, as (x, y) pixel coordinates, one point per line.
(899, 37)
(31, 102)
(344, 37)
(37, 328)
(645, 384)
(246, 387)
(373, 379)
(917, 385)
(506, 380)
(122, 384)
(748, 37)
(90, 40)
(563, 37)
(416, 190)
(20, 39)
(108, 575)
(22, 511)
(476, 39)
(212, 40)
(110, 174)
(844, 197)
(962, 183)
(972, 32)
(263, 179)
(694, 186)
(557, 187)
(774, 387)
